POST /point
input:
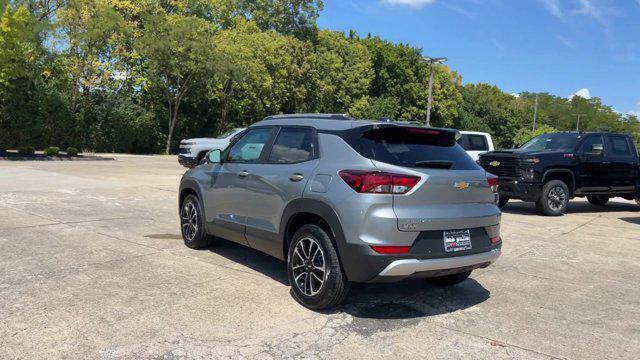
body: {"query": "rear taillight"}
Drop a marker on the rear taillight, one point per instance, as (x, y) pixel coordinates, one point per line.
(492, 180)
(391, 249)
(495, 240)
(378, 182)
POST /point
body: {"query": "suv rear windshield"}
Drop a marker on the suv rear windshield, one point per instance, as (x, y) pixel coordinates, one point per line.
(552, 142)
(413, 147)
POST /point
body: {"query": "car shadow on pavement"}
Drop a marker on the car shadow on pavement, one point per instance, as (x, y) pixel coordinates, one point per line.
(575, 207)
(412, 298)
(405, 300)
(251, 258)
(632, 220)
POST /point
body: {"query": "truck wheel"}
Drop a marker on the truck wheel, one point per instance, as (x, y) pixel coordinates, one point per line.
(502, 201)
(449, 280)
(598, 200)
(554, 198)
(313, 267)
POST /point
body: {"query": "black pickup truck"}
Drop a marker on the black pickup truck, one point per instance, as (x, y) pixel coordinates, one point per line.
(552, 168)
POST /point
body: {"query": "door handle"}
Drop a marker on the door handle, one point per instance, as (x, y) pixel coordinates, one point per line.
(296, 177)
(243, 173)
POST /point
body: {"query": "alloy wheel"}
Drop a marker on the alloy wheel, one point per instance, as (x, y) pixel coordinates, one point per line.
(308, 266)
(556, 198)
(189, 221)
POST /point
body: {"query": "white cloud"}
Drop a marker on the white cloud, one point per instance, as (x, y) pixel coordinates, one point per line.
(412, 3)
(596, 10)
(515, 95)
(583, 93)
(566, 42)
(553, 7)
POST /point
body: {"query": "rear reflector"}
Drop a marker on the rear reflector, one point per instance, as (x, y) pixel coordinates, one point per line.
(377, 182)
(391, 249)
(495, 240)
(492, 180)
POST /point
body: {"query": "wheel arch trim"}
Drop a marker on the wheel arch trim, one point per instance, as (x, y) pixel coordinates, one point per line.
(549, 172)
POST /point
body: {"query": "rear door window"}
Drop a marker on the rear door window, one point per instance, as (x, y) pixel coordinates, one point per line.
(477, 143)
(414, 147)
(619, 146)
(293, 145)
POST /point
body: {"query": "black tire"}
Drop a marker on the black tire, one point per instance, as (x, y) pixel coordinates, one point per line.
(334, 287)
(598, 200)
(192, 224)
(502, 201)
(449, 280)
(554, 198)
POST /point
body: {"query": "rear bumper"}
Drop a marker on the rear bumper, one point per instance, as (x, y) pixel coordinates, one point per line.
(187, 161)
(514, 189)
(400, 269)
(362, 264)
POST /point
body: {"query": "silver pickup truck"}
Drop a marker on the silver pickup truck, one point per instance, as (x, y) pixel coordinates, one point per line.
(192, 151)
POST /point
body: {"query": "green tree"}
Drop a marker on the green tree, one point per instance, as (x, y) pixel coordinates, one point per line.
(179, 54)
(525, 134)
(342, 73)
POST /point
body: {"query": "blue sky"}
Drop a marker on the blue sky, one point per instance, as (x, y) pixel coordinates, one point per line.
(556, 46)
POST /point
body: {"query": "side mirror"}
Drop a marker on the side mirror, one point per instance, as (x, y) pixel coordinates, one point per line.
(213, 156)
(596, 149)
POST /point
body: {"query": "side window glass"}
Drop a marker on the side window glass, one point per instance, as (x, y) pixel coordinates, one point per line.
(249, 147)
(463, 141)
(593, 145)
(293, 145)
(619, 146)
(478, 143)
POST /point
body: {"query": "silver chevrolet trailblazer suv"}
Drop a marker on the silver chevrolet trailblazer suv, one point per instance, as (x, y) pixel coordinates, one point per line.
(344, 200)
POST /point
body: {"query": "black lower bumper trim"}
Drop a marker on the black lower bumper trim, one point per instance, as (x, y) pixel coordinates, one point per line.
(513, 189)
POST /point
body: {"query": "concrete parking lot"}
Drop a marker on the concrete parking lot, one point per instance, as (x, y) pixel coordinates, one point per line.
(92, 265)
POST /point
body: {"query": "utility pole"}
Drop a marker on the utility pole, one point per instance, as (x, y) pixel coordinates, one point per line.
(535, 113)
(578, 122)
(431, 61)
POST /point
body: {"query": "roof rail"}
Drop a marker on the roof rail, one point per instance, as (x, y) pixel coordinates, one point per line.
(310, 116)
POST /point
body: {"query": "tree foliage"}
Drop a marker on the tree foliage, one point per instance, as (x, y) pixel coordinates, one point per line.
(139, 75)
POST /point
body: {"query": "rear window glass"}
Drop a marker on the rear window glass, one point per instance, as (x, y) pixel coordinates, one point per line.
(473, 142)
(409, 147)
(619, 145)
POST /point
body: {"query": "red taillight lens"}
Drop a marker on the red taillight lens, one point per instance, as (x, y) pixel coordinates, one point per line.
(391, 249)
(377, 182)
(492, 180)
(495, 240)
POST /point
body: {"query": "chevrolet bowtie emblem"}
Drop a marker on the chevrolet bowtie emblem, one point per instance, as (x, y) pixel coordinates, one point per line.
(495, 163)
(462, 185)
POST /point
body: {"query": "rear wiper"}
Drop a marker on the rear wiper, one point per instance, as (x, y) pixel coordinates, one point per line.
(436, 164)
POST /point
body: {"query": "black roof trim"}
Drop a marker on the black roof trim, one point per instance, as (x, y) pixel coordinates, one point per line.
(310, 116)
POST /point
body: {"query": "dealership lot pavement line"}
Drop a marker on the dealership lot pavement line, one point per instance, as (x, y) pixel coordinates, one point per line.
(62, 223)
(582, 225)
(500, 342)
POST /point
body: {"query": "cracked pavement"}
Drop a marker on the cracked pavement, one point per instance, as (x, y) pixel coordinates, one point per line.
(92, 265)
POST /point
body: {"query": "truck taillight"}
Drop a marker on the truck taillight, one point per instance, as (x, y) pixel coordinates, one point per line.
(378, 182)
(492, 180)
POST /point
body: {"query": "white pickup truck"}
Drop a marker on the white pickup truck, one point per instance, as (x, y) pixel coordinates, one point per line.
(475, 143)
(192, 151)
